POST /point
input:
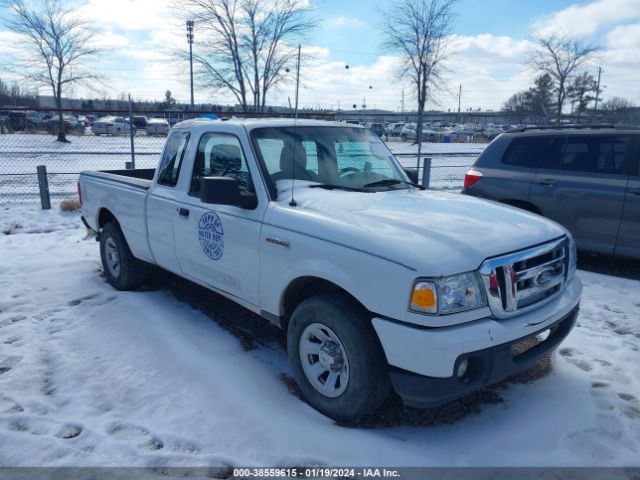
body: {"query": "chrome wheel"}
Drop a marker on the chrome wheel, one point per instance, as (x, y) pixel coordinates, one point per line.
(324, 360)
(112, 257)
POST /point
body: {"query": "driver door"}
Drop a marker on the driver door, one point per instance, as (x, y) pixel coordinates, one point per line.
(218, 245)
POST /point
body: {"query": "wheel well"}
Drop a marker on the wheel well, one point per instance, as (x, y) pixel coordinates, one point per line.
(530, 207)
(305, 287)
(106, 216)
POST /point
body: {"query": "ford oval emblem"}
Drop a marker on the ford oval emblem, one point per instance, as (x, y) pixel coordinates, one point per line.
(543, 277)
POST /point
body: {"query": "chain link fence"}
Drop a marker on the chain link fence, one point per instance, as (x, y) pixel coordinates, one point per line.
(21, 152)
(446, 163)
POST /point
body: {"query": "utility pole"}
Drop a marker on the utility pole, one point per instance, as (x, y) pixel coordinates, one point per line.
(598, 88)
(190, 40)
(459, 101)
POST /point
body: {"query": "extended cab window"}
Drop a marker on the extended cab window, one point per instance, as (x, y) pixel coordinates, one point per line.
(526, 152)
(590, 154)
(169, 169)
(220, 155)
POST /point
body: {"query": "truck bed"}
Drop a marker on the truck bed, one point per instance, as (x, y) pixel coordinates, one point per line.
(123, 194)
(139, 178)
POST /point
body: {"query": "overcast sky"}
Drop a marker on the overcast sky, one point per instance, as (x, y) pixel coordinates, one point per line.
(490, 46)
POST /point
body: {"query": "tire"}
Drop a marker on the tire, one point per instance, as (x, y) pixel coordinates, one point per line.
(360, 354)
(121, 269)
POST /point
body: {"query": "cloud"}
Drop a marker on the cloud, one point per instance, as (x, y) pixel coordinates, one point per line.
(127, 14)
(8, 40)
(109, 40)
(626, 36)
(588, 19)
(342, 22)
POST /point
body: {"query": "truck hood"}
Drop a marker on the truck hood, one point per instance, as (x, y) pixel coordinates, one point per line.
(435, 233)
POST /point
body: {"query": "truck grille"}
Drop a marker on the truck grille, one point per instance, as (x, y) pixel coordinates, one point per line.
(523, 280)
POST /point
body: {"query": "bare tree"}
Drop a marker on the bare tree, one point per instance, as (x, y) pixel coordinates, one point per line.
(560, 55)
(418, 30)
(617, 104)
(54, 47)
(246, 45)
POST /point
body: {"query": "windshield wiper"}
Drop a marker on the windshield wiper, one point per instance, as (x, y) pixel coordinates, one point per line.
(392, 181)
(331, 186)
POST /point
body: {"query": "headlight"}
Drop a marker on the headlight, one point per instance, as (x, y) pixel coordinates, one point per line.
(573, 257)
(452, 294)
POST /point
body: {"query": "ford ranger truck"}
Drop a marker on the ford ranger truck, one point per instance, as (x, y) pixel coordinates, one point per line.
(315, 226)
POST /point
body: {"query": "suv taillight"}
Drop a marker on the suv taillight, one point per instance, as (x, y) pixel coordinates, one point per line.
(471, 177)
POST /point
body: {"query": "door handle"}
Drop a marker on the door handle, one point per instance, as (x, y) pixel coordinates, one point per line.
(547, 183)
(184, 212)
(635, 191)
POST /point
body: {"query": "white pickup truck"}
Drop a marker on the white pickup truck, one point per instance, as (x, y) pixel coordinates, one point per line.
(316, 227)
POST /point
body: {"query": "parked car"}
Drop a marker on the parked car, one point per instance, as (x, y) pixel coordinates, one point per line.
(112, 125)
(428, 135)
(377, 128)
(395, 129)
(86, 122)
(140, 121)
(18, 120)
(36, 119)
(71, 124)
(158, 126)
(586, 179)
(377, 282)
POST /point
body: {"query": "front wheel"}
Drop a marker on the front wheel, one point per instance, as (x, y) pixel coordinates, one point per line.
(122, 270)
(336, 358)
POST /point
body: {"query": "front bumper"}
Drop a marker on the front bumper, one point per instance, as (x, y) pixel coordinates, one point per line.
(424, 360)
(486, 367)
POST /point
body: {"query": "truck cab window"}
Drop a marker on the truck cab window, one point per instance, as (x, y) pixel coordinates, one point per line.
(220, 155)
(169, 168)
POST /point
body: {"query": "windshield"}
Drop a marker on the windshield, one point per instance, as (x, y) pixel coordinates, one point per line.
(352, 158)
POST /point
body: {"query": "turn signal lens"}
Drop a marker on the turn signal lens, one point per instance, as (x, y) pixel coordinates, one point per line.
(424, 298)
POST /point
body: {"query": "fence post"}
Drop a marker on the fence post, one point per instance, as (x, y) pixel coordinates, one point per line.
(43, 184)
(131, 134)
(128, 165)
(426, 172)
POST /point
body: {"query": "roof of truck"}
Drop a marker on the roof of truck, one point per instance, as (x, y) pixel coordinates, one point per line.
(250, 123)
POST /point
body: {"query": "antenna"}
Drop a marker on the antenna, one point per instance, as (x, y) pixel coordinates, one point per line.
(293, 203)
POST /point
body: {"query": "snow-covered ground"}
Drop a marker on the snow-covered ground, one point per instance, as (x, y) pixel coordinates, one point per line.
(92, 376)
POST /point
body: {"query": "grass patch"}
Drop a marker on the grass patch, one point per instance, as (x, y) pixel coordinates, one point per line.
(70, 205)
(12, 227)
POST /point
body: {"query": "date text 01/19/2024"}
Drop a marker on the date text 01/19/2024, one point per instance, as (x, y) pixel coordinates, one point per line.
(316, 472)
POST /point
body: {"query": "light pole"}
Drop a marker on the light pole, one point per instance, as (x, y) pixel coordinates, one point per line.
(190, 40)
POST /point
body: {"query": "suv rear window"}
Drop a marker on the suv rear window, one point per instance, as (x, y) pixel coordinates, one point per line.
(590, 154)
(526, 152)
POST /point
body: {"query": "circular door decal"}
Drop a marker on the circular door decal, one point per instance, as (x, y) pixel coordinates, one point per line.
(211, 235)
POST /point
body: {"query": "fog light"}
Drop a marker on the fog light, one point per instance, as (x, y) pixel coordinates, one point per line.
(462, 368)
(542, 336)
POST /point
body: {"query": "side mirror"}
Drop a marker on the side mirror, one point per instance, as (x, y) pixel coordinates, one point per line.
(412, 173)
(225, 191)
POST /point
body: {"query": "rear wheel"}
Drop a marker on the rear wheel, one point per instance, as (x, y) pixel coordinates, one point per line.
(122, 270)
(336, 358)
